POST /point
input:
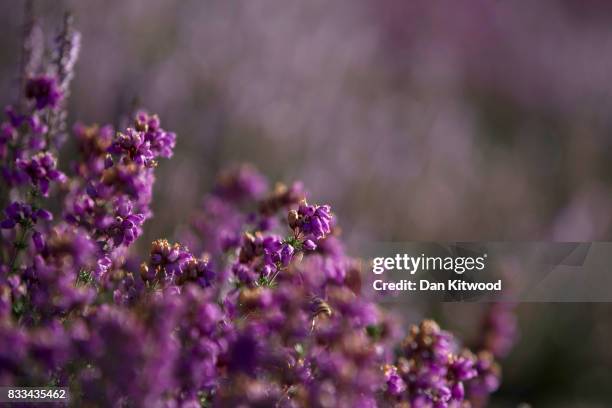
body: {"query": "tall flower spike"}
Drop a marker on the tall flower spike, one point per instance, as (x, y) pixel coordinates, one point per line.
(31, 47)
(67, 52)
(68, 45)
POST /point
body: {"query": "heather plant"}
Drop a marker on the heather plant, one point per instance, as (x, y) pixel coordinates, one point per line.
(258, 305)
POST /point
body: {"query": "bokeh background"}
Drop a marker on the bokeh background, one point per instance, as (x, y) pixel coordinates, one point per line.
(417, 120)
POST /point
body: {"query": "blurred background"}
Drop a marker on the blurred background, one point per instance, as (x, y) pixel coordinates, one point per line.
(416, 120)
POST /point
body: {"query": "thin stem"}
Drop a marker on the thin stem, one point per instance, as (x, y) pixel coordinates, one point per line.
(20, 244)
(271, 281)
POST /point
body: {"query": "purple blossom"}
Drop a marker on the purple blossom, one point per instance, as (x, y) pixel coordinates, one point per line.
(126, 226)
(199, 271)
(144, 144)
(286, 254)
(42, 170)
(131, 145)
(316, 220)
(311, 220)
(395, 384)
(309, 245)
(433, 367)
(166, 262)
(44, 90)
(488, 375)
(159, 141)
(19, 213)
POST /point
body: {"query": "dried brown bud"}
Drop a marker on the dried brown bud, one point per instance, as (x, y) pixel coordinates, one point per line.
(292, 219)
(248, 250)
(144, 271)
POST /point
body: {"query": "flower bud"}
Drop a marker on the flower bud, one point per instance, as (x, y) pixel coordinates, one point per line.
(144, 272)
(309, 245)
(292, 219)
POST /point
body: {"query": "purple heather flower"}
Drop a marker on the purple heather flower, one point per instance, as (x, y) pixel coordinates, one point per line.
(458, 391)
(37, 125)
(38, 240)
(462, 368)
(126, 226)
(166, 262)
(286, 254)
(266, 271)
(9, 131)
(126, 182)
(145, 143)
(102, 266)
(271, 244)
(488, 377)
(244, 274)
(93, 142)
(23, 214)
(433, 371)
(272, 251)
(42, 169)
(309, 245)
(395, 384)
(198, 271)
(131, 144)
(44, 90)
(162, 142)
(312, 220)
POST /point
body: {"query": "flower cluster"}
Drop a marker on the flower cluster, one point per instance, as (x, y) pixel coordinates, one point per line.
(431, 370)
(144, 144)
(44, 91)
(174, 264)
(23, 214)
(259, 306)
(311, 220)
(42, 170)
(111, 196)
